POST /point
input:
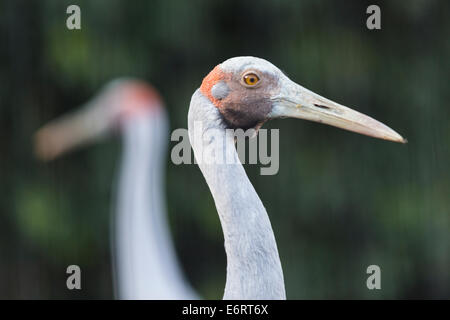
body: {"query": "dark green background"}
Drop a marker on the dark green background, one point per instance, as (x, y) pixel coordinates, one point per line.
(340, 201)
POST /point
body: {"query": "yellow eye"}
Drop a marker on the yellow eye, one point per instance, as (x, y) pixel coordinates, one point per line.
(251, 79)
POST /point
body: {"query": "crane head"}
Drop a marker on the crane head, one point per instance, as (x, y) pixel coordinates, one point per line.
(114, 104)
(249, 91)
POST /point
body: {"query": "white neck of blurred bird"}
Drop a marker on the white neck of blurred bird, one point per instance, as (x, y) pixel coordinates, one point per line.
(146, 264)
(253, 264)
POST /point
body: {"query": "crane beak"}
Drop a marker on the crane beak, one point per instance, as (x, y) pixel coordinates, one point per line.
(297, 102)
(70, 131)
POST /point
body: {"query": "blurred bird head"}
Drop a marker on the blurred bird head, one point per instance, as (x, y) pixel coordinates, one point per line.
(117, 102)
(248, 91)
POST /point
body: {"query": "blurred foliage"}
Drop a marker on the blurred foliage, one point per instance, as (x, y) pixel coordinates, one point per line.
(340, 201)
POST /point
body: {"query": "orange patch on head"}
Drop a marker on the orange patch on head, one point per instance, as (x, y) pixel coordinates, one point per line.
(210, 80)
(139, 96)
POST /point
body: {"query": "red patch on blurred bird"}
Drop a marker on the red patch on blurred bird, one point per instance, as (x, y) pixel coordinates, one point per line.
(139, 97)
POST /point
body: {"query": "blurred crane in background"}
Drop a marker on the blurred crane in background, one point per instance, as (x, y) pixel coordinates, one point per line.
(243, 93)
(145, 261)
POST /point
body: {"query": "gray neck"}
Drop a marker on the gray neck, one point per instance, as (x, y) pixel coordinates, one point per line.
(253, 264)
(146, 264)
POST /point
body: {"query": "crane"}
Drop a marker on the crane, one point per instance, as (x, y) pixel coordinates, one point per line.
(143, 254)
(243, 93)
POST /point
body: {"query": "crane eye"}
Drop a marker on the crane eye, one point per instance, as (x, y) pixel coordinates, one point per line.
(250, 79)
